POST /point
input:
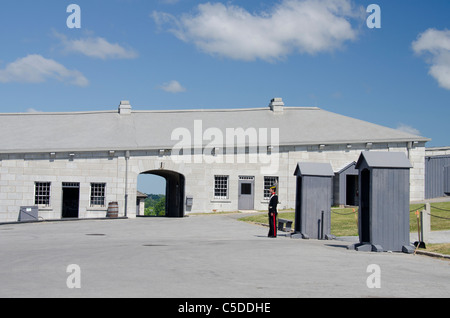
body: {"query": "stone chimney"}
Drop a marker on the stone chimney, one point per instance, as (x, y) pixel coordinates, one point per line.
(276, 104)
(124, 108)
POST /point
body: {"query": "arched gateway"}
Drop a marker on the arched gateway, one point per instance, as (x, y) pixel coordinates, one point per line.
(175, 183)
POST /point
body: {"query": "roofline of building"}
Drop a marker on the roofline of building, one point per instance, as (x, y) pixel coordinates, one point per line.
(320, 145)
(437, 148)
(221, 110)
(275, 107)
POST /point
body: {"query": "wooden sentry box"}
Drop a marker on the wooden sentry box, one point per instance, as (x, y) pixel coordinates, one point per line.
(383, 217)
(313, 200)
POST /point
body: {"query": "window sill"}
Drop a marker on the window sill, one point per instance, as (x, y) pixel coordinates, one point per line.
(220, 201)
(97, 208)
(45, 208)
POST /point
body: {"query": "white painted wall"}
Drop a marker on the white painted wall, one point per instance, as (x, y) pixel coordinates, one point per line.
(19, 172)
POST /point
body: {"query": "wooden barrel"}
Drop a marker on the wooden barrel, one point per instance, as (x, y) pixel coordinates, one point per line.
(113, 210)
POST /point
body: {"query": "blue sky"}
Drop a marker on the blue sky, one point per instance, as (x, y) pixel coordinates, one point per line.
(184, 54)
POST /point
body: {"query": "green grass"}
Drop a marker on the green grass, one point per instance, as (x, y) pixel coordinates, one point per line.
(344, 220)
(440, 216)
(263, 218)
(443, 248)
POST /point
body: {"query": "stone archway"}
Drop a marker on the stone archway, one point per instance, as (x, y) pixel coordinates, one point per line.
(175, 194)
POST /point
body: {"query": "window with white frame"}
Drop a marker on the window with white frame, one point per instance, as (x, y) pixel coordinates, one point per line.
(220, 187)
(268, 183)
(42, 193)
(98, 191)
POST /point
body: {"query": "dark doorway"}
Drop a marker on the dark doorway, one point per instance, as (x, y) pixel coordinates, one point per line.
(364, 209)
(70, 199)
(298, 205)
(174, 192)
(447, 180)
(351, 190)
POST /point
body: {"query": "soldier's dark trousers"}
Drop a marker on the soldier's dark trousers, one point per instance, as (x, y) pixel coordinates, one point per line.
(272, 225)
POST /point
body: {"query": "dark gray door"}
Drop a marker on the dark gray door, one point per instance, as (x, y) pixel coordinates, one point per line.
(351, 190)
(246, 193)
(447, 180)
(364, 208)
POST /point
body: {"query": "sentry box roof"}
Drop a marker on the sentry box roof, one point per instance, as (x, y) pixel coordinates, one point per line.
(383, 160)
(313, 169)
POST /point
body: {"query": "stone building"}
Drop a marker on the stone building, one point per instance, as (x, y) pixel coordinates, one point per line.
(74, 164)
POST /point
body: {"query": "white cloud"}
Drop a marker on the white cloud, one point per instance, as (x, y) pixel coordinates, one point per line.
(435, 45)
(33, 110)
(173, 87)
(408, 129)
(37, 69)
(305, 26)
(96, 47)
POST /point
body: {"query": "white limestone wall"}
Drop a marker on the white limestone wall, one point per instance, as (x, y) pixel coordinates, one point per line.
(416, 156)
(200, 176)
(437, 151)
(18, 174)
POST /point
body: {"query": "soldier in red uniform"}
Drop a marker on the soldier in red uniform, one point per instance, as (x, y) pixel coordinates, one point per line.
(273, 202)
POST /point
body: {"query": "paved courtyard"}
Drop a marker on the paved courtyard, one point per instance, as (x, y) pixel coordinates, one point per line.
(199, 256)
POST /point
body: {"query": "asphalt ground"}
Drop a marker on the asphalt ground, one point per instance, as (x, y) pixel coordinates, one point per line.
(205, 256)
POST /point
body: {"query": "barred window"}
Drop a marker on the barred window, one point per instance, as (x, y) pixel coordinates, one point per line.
(98, 194)
(42, 193)
(268, 183)
(220, 187)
